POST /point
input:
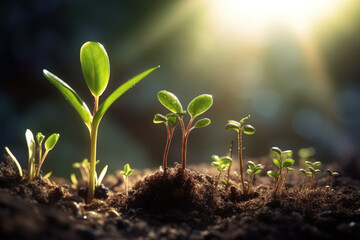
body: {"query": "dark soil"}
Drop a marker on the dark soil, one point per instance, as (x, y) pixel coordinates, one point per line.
(180, 205)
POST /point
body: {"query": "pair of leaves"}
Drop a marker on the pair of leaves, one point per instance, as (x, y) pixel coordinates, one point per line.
(286, 163)
(171, 118)
(313, 164)
(127, 170)
(331, 173)
(96, 70)
(197, 106)
(281, 154)
(273, 174)
(49, 143)
(303, 171)
(253, 168)
(247, 129)
(221, 163)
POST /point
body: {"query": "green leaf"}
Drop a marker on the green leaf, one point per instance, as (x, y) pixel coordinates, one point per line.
(302, 171)
(287, 154)
(71, 96)
(127, 170)
(224, 182)
(290, 169)
(312, 169)
(215, 164)
(51, 141)
(102, 175)
(317, 171)
(329, 172)
(170, 101)
(251, 165)
(172, 119)
(309, 174)
(257, 171)
(47, 176)
(336, 174)
(276, 151)
(234, 122)
(39, 138)
(199, 105)
(277, 162)
(308, 163)
(202, 123)
(317, 164)
(273, 174)
(225, 160)
(243, 120)
(288, 162)
(118, 92)
(73, 179)
(15, 161)
(215, 157)
(158, 118)
(249, 171)
(232, 126)
(248, 130)
(31, 150)
(95, 67)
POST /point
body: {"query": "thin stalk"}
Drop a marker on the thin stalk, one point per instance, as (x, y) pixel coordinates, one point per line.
(278, 183)
(39, 157)
(286, 174)
(240, 160)
(331, 181)
(41, 160)
(184, 142)
(126, 180)
(304, 184)
(93, 144)
(312, 180)
(228, 173)
(218, 179)
(251, 183)
(168, 141)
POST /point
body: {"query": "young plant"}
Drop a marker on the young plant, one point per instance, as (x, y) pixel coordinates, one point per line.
(96, 70)
(170, 122)
(222, 164)
(36, 158)
(252, 170)
(306, 174)
(313, 171)
(332, 175)
(84, 168)
(228, 171)
(126, 173)
(240, 128)
(275, 176)
(282, 159)
(197, 106)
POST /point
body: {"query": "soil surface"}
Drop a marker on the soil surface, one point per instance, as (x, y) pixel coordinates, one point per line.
(180, 205)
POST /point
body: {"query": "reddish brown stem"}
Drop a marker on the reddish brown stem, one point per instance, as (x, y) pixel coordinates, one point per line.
(184, 142)
(168, 141)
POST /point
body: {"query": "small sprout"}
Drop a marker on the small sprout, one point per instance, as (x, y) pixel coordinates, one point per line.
(48, 175)
(101, 176)
(240, 128)
(313, 171)
(282, 159)
(170, 122)
(126, 173)
(332, 175)
(197, 106)
(84, 168)
(35, 161)
(252, 170)
(95, 66)
(222, 164)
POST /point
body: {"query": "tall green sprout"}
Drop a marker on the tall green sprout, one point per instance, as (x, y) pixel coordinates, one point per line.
(96, 70)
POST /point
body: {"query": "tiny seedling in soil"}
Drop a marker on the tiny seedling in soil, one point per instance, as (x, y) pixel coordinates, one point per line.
(240, 128)
(84, 168)
(126, 173)
(252, 170)
(197, 106)
(313, 170)
(96, 70)
(36, 157)
(332, 175)
(170, 121)
(282, 159)
(221, 164)
(306, 174)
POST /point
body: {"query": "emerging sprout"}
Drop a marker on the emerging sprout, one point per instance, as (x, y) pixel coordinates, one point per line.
(222, 164)
(170, 122)
(241, 128)
(313, 171)
(306, 174)
(282, 159)
(84, 168)
(126, 173)
(35, 161)
(196, 107)
(96, 70)
(252, 170)
(332, 175)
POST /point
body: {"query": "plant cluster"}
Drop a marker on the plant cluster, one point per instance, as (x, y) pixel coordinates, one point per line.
(312, 172)
(36, 157)
(252, 171)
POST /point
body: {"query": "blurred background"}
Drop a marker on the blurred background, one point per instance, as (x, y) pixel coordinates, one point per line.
(294, 66)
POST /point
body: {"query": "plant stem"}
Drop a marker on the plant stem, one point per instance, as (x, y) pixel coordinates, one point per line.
(331, 181)
(240, 160)
(41, 160)
(312, 180)
(228, 173)
(126, 180)
(251, 183)
(93, 140)
(96, 104)
(168, 141)
(278, 183)
(184, 142)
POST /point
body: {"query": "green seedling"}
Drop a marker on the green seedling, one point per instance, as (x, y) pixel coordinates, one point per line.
(332, 175)
(197, 106)
(228, 171)
(222, 164)
(36, 158)
(313, 170)
(96, 70)
(306, 174)
(126, 173)
(240, 128)
(282, 159)
(170, 121)
(252, 170)
(84, 168)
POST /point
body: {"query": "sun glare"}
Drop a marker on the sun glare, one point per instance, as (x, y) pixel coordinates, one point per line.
(259, 16)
